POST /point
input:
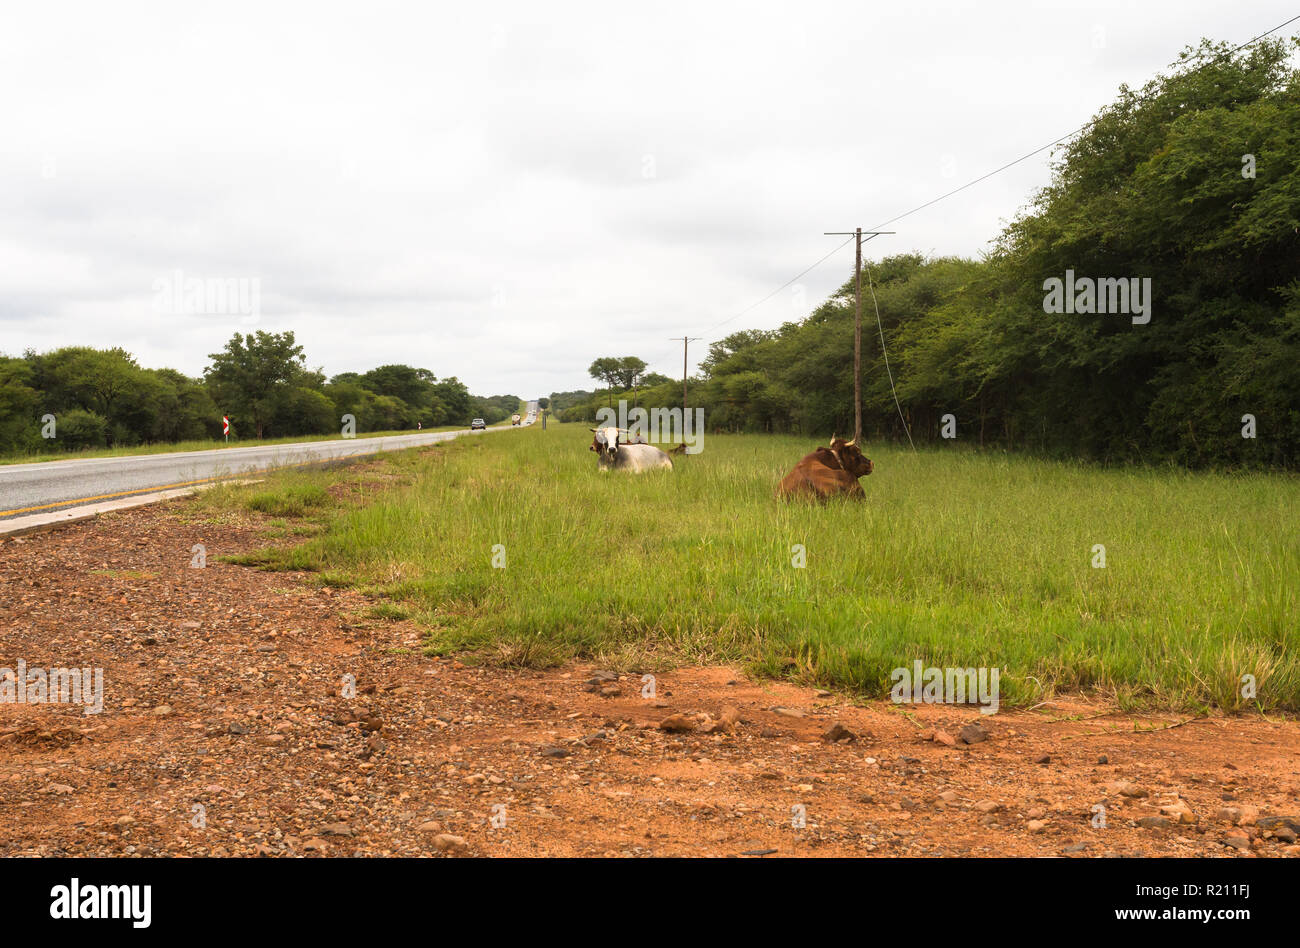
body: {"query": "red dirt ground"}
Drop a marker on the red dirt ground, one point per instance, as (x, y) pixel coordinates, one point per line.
(222, 698)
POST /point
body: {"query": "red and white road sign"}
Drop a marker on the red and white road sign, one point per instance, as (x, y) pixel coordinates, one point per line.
(225, 424)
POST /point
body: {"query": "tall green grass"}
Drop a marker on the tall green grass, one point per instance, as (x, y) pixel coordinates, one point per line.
(956, 558)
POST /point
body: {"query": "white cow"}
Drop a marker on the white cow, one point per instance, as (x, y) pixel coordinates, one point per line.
(613, 453)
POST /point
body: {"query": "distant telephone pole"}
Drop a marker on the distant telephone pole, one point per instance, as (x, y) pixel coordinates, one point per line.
(686, 341)
(857, 322)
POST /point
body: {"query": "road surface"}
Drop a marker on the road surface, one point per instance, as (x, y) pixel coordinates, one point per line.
(48, 486)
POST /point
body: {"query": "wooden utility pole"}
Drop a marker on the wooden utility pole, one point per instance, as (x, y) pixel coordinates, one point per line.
(686, 341)
(857, 323)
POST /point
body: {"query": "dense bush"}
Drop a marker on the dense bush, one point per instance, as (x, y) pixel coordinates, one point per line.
(1158, 188)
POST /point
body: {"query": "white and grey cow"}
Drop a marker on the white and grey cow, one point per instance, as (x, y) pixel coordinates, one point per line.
(614, 453)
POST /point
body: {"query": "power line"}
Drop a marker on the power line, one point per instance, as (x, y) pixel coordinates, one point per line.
(985, 177)
(782, 286)
(1085, 125)
(888, 370)
(754, 306)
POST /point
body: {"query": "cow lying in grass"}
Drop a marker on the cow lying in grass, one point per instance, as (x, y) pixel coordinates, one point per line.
(614, 453)
(828, 472)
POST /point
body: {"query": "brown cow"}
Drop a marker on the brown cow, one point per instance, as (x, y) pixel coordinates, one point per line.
(828, 472)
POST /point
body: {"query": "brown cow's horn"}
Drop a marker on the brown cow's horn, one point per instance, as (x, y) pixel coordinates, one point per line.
(852, 443)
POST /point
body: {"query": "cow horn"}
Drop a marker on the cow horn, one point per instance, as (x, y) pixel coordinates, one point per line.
(834, 438)
(595, 429)
(852, 443)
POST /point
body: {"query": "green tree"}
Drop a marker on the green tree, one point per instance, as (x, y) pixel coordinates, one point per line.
(606, 369)
(629, 372)
(254, 374)
(20, 406)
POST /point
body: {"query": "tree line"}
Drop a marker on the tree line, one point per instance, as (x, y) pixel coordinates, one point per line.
(104, 398)
(1188, 188)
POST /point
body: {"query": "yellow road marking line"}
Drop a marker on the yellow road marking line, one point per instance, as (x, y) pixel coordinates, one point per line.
(124, 493)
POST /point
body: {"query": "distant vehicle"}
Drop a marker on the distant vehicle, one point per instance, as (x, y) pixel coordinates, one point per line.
(477, 423)
(514, 419)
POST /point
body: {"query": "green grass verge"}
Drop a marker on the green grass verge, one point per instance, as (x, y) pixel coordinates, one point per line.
(956, 558)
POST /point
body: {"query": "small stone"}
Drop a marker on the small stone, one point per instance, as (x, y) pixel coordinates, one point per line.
(1103, 759)
(446, 843)
(727, 720)
(988, 806)
(1179, 811)
(944, 738)
(1273, 822)
(973, 733)
(1155, 822)
(837, 733)
(430, 826)
(335, 829)
(162, 711)
(790, 712)
(1237, 840)
(1043, 759)
(374, 745)
(677, 723)
(1075, 848)
(1126, 788)
(1036, 826)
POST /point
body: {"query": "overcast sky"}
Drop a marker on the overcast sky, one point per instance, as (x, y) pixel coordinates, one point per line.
(505, 191)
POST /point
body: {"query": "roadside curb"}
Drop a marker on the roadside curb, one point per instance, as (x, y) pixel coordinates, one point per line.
(39, 523)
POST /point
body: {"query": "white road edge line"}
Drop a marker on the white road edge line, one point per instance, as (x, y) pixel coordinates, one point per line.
(49, 520)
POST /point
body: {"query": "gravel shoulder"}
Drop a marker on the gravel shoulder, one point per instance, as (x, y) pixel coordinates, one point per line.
(227, 729)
